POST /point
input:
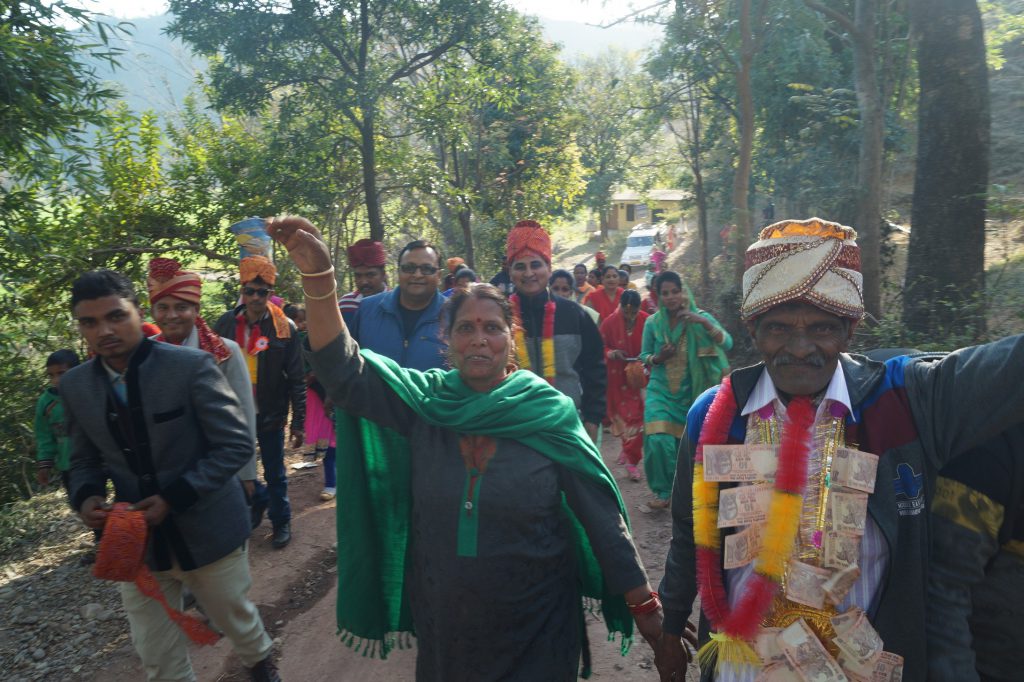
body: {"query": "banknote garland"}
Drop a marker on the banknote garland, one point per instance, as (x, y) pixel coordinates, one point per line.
(737, 627)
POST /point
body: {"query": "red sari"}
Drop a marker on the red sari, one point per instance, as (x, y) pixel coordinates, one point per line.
(605, 306)
(625, 404)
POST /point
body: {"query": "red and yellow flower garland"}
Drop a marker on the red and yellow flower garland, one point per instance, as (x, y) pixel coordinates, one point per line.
(736, 627)
(547, 344)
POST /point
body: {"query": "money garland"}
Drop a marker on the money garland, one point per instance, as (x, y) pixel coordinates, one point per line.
(547, 344)
(736, 627)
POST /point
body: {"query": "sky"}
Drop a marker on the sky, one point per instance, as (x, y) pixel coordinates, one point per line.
(587, 11)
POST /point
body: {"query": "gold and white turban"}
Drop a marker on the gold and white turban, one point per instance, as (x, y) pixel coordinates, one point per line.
(809, 260)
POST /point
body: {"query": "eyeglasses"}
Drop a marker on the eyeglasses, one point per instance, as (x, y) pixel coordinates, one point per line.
(411, 268)
(251, 291)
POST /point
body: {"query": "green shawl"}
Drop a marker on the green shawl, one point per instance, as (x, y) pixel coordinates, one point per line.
(705, 359)
(374, 492)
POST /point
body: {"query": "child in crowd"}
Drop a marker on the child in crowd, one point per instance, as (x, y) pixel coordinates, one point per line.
(53, 448)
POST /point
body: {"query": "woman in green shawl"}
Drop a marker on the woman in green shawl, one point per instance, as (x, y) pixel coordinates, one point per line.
(685, 350)
(473, 509)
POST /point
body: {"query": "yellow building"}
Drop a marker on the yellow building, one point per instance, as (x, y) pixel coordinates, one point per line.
(631, 208)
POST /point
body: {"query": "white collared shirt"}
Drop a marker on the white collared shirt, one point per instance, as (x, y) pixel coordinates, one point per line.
(765, 393)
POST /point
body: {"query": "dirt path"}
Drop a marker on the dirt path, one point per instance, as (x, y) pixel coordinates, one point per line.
(295, 589)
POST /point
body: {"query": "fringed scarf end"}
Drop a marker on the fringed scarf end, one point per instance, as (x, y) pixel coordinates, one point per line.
(375, 648)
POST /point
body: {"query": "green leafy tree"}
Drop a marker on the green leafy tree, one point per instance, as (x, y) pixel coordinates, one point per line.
(615, 124)
(498, 126)
(354, 57)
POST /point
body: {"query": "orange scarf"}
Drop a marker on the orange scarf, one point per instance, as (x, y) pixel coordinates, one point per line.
(121, 557)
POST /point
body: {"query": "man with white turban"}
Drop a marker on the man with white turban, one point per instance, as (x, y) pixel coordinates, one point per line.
(799, 506)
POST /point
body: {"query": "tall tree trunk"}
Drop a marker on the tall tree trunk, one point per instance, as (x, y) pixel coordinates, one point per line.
(946, 262)
(465, 222)
(368, 154)
(868, 213)
(602, 220)
(741, 181)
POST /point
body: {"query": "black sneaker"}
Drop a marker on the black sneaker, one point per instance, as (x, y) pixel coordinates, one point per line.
(282, 535)
(265, 671)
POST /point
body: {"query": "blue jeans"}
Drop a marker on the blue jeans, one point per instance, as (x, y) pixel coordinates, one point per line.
(275, 494)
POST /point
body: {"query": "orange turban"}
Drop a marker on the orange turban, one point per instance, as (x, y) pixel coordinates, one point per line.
(527, 238)
(366, 253)
(166, 278)
(454, 263)
(255, 267)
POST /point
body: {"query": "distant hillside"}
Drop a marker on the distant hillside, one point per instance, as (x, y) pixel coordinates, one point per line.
(157, 71)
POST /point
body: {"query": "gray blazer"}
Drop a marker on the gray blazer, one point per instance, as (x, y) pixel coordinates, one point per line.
(182, 435)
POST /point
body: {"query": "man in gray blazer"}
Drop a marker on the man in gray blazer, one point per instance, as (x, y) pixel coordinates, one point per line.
(162, 423)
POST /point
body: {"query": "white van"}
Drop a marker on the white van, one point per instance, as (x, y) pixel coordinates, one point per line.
(642, 240)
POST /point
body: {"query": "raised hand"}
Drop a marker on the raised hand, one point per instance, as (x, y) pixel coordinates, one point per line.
(303, 241)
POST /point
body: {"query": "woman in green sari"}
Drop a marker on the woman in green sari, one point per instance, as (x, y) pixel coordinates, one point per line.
(685, 350)
(475, 511)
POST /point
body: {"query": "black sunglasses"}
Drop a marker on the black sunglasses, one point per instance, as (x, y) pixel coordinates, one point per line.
(410, 268)
(251, 291)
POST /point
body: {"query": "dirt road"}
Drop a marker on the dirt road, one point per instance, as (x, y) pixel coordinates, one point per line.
(295, 589)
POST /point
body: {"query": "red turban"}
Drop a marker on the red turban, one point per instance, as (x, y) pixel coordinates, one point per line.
(527, 238)
(366, 253)
(255, 267)
(166, 278)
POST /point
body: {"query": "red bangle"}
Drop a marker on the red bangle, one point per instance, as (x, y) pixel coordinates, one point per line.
(653, 603)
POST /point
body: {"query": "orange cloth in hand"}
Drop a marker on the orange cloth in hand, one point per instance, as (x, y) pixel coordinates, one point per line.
(121, 557)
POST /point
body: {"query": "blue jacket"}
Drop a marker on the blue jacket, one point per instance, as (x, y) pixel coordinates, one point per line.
(378, 327)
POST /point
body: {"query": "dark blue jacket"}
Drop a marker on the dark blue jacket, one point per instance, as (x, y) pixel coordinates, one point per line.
(378, 327)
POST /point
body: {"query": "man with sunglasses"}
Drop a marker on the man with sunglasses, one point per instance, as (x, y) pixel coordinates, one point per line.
(270, 345)
(403, 323)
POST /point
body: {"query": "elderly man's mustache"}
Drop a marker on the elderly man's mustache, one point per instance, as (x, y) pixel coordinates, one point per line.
(815, 360)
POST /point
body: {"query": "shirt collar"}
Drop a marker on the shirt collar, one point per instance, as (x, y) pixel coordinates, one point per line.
(765, 394)
(113, 375)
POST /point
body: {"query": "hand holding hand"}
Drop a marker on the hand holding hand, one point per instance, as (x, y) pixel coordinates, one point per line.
(304, 242)
(616, 355)
(155, 509)
(94, 512)
(672, 656)
(649, 626)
